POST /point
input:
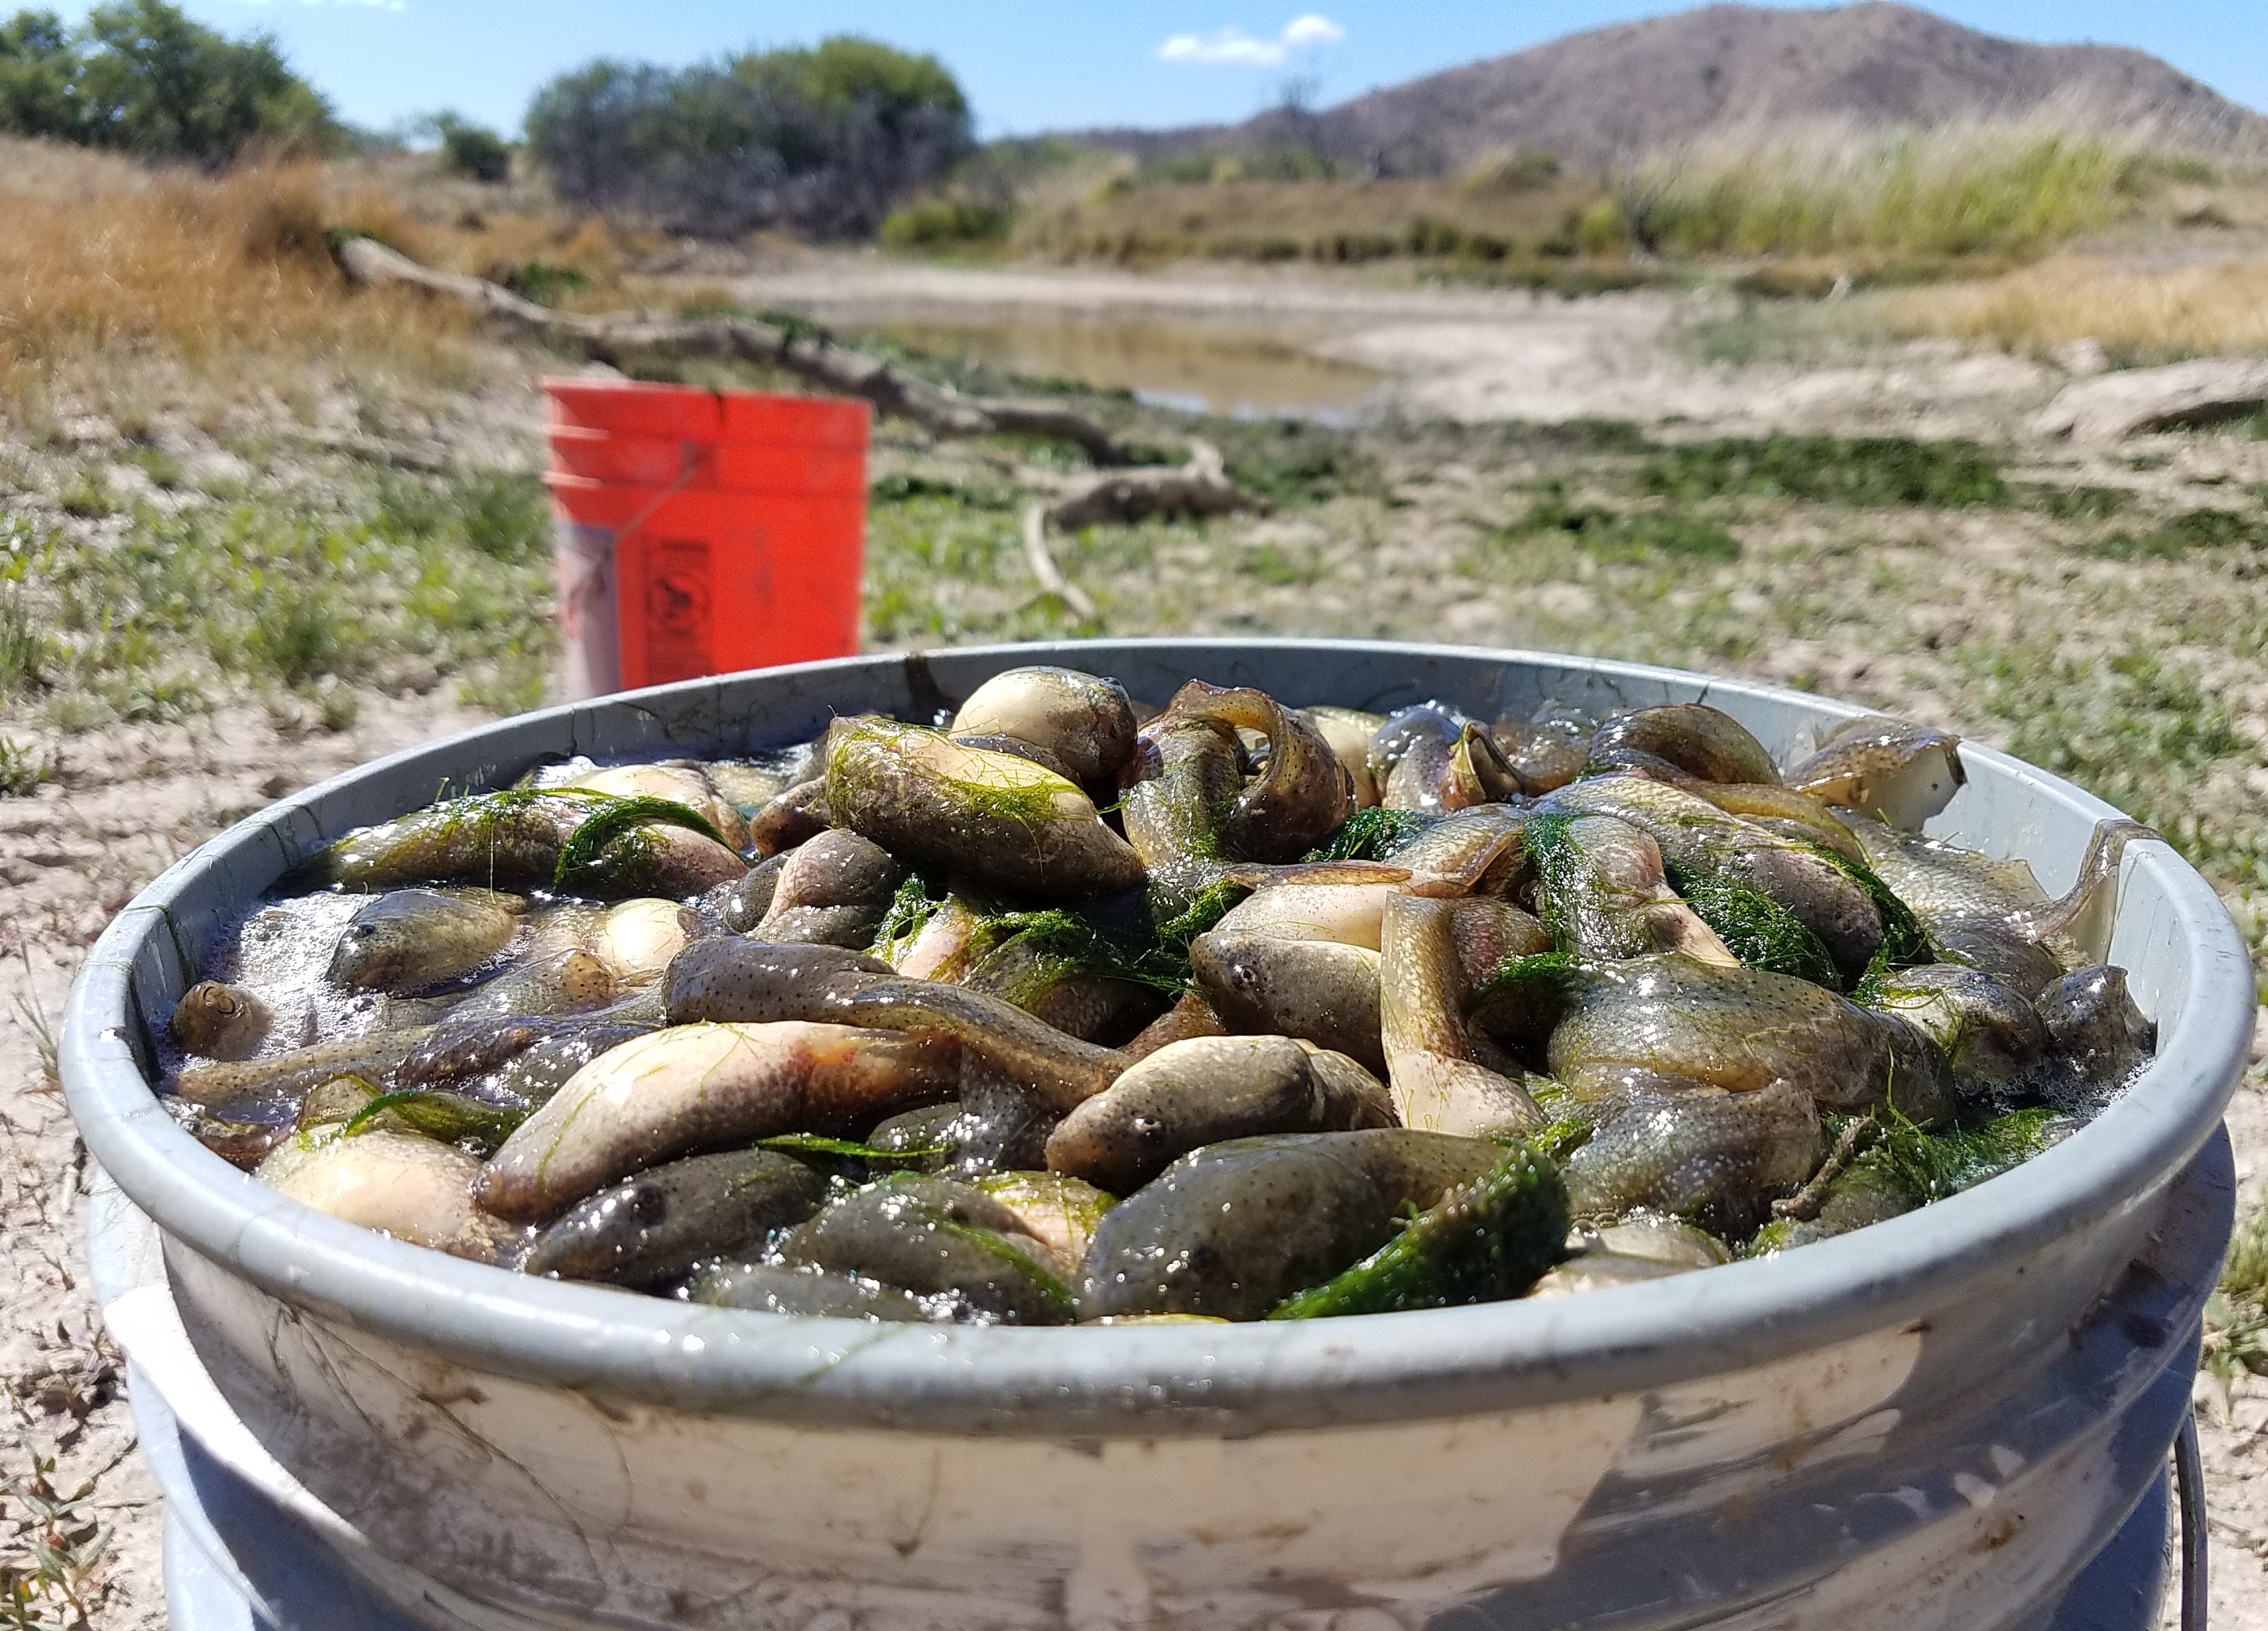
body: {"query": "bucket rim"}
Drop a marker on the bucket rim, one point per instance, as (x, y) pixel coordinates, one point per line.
(1139, 1382)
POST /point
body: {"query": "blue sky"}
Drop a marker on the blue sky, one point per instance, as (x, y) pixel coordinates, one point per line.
(1033, 66)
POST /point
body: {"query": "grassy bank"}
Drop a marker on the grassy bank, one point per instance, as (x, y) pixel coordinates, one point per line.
(1874, 205)
(1960, 189)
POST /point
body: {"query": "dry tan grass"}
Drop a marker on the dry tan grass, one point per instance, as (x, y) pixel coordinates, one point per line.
(108, 268)
(117, 279)
(2137, 315)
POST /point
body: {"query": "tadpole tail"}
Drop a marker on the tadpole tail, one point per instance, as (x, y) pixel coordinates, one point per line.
(1059, 1067)
(2068, 913)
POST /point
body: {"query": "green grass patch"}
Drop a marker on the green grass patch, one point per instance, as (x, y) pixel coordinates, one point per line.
(1585, 436)
(2127, 728)
(292, 593)
(1803, 332)
(2245, 1275)
(940, 572)
(898, 488)
(90, 498)
(162, 469)
(504, 517)
(2076, 504)
(2237, 1316)
(1288, 463)
(544, 283)
(2177, 535)
(517, 681)
(1867, 472)
(23, 645)
(1620, 534)
(1271, 565)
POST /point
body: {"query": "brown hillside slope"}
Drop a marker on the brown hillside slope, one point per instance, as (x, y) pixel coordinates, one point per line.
(1614, 93)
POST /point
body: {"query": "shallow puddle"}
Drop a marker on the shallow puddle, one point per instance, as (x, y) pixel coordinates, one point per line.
(1194, 364)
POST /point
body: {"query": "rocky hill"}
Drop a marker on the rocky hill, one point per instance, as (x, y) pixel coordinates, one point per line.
(1614, 93)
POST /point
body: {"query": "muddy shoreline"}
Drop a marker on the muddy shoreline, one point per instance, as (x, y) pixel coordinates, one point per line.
(1469, 355)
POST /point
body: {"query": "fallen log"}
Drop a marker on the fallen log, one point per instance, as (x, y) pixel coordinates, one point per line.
(609, 337)
(1198, 487)
(2138, 401)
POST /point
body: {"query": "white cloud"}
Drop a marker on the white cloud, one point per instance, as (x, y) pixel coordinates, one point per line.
(1229, 44)
(1232, 44)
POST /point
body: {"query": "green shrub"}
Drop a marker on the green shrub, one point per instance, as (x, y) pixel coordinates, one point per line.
(945, 223)
(1621, 535)
(472, 149)
(23, 770)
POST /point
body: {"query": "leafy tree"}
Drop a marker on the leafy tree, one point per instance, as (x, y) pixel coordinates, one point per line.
(37, 68)
(139, 75)
(823, 140)
(473, 149)
(846, 72)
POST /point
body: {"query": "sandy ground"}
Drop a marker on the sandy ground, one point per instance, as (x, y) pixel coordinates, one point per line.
(130, 800)
(2233, 1420)
(1476, 354)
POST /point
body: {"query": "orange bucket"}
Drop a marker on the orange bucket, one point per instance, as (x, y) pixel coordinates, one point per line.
(703, 532)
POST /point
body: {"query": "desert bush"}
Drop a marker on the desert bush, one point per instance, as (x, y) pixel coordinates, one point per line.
(140, 76)
(945, 223)
(824, 140)
(981, 199)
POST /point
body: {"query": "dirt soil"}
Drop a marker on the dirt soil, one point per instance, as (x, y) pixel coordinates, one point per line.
(1940, 612)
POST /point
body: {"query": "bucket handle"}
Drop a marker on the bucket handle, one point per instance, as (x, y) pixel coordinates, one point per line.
(2189, 1484)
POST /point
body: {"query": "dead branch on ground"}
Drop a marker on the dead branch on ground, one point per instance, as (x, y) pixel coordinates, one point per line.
(1198, 487)
(1043, 564)
(607, 338)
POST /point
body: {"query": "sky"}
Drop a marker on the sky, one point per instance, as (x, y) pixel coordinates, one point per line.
(1030, 66)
